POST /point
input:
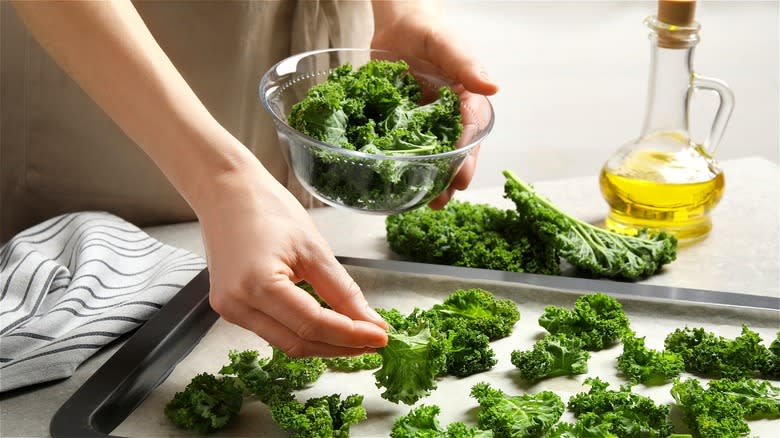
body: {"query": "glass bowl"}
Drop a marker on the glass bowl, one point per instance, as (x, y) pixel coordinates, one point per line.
(359, 181)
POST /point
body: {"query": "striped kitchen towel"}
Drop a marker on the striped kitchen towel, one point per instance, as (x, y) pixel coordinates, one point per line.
(74, 283)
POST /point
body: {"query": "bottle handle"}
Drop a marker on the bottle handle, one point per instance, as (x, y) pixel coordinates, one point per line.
(722, 115)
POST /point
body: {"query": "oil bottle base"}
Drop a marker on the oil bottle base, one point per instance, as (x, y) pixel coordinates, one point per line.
(687, 232)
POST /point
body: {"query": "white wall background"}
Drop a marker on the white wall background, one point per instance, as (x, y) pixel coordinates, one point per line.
(573, 79)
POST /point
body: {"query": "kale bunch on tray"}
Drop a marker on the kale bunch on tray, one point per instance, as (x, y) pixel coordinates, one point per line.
(209, 402)
(594, 251)
(552, 356)
(619, 412)
(319, 417)
(525, 415)
(597, 319)
(707, 354)
(452, 337)
(721, 410)
(533, 237)
(376, 110)
(422, 422)
(472, 235)
(645, 365)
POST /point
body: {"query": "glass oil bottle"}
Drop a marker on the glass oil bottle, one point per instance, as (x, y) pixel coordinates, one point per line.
(663, 180)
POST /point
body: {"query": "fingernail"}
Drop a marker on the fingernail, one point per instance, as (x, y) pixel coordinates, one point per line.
(379, 342)
(484, 74)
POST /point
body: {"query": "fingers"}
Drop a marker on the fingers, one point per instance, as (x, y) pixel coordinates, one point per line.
(451, 55)
(338, 289)
(466, 173)
(282, 337)
(300, 313)
(461, 180)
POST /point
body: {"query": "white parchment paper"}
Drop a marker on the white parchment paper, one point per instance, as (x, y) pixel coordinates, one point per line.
(653, 319)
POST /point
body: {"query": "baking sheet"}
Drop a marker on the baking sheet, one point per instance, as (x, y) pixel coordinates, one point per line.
(653, 318)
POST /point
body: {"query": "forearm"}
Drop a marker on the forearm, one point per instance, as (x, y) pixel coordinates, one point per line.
(108, 50)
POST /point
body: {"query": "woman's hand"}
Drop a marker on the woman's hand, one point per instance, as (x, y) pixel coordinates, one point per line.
(259, 240)
(259, 243)
(416, 28)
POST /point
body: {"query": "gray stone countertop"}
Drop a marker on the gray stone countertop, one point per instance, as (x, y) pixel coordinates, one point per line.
(741, 254)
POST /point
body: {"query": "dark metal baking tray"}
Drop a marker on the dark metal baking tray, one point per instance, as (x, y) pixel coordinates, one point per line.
(148, 357)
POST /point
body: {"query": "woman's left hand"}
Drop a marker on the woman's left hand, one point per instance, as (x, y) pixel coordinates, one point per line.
(417, 29)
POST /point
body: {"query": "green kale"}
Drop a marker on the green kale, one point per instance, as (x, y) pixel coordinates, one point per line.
(722, 408)
(471, 235)
(467, 351)
(707, 354)
(323, 417)
(629, 414)
(588, 425)
(375, 110)
(770, 366)
(595, 251)
(479, 310)
(551, 356)
(207, 404)
(275, 377)
(644, 365)
(526, 415)
(759, 398)
(395, 319)
(598, 319)
(366, 361)
(410, 363)
(421, 422)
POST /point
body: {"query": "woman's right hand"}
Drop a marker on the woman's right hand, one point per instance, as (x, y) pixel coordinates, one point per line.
(259, 243)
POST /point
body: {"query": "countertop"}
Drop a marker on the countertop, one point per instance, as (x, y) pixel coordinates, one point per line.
(741, 254)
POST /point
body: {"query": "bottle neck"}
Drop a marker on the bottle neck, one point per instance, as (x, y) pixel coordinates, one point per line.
(671, 73)
(669, 89)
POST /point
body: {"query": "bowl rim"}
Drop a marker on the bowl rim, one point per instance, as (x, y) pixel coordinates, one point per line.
(283, 123)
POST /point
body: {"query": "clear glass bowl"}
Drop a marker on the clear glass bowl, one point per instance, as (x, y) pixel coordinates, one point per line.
(360, 181)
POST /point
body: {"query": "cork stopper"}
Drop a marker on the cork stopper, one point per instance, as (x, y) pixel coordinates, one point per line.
(677, 12)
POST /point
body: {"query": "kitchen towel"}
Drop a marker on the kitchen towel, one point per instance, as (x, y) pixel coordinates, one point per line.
(74, 283)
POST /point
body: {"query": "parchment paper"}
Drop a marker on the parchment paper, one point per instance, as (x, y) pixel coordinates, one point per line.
(653, 319)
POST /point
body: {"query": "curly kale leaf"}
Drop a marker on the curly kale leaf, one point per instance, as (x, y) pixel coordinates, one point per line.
(427, 129)
(275, 377)
(366, 361)
(421, 422)
(770, 366)
(471, 235)
(707, 354)
(588, 425)
(711, 414)
(462, 324)
(598, 319)
(628, 413)
(468, 351)
(551, 356)
(410, 364)
(321, 115)
(323, 417)
(207, 404)
(648, 366)
(478, 310)
(595, 251)
(759, 398)
(526, 415)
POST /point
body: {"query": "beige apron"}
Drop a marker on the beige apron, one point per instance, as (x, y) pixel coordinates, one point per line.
(59, 152)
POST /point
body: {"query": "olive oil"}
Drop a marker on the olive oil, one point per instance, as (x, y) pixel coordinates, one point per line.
(663, 180)
(661, 190)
